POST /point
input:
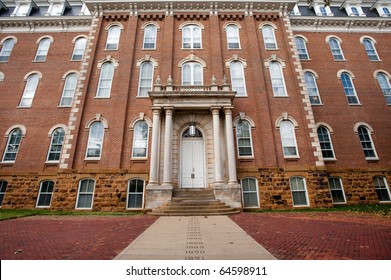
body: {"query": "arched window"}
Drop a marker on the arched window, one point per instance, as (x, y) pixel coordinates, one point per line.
(299, 191)
(105, 80)
(312, 87)
(45, 194)
(386, 12)
(79, 48)
(6, 49)
(243, 139)
(384, 83)
(113, 36)
(232, 36)
(191, 37)
(56, 145)
(355, 11)
(301, 48)
(288, 139)
(336, 49)
(366, 142)
(370, 49)
(3, 188)
(149, 37)
(325, 143)
(237, 78)
(382, 189)
(29, 90)
(69, 90)
(277, 77)
(85, 194)
(140, 140)
(43, 49)
(95, 141)
(322, 10)
(192, 74)
(336, 190)
(135, 194)
(250, 193)
(349, 89)
(268, 37)
(146, 78)
(13, 143)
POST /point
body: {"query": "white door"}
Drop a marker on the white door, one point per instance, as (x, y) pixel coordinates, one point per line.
(192, 161)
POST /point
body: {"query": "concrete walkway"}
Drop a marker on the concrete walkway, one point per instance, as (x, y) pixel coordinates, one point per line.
(194, 238)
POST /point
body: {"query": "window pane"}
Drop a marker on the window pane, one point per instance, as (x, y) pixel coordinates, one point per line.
(232, 37)
(45, 194)
(79, 49)
(243, 138)
(43, 49)
(250, 192)
(277, 78)
(85, 196)
(146, 78)
(13, 145)
(3, 187)
(140, 139)
(113, 38)
(95, 140)
(237, 78)
(135, 193)
(288, 138)
(366, 142)
(6, 50)
(312, 88)
(149, 37)
(268, 37)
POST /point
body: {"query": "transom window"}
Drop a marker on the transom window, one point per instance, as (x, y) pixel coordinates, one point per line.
(85, 194)
(105, 80)
(384, 83)
(301, 48)
(191, 37)
(250, 193)
(45, 194)
(95, 141)
(79, 48)
(243, 138)
(299, 191)
(29, 91)
(277, 77)
(366, 142)
(349, 89)
(13, 144)
(135, 194)
(312, 87)
(237, 78)
(69, 90)
(233, 36)
(370, 49)
(140, 140)
(325, 143)
(192, 74)
(382, 189)
(3, 188)
(113, 36)
(6, 49)
(336, 190)
(56, 145)
(336, 50)
(43, 49)
(146, 78)
(288, 139)
(269, 37)
(355, 11)
(149, 37)
(386, 12)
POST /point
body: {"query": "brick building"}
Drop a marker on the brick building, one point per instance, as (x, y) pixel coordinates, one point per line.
(115, 105)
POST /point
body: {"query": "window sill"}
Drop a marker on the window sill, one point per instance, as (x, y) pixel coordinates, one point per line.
(329, 159)
(7, 163)
(23, 107)
(241, 96)
(377, 60)
(102, 97)
(359, 104)
(320, 104)
(339, 203)
(42, 207)
(270, 49)
(92, 159)
(292, 158)
(59, 106)
(146, 49)
(244, 159)
(83, 209)
(111, 49)
(76, 60)
(139, 159)
(372, 159)
(301, 206)
(52, 162)
(281, 96)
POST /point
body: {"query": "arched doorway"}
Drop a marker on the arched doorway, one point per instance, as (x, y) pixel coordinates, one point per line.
(192, 158)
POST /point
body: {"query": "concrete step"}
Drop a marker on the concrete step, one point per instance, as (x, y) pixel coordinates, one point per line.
(194, 214)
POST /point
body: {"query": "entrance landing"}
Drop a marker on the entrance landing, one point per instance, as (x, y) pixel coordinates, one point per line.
(194, 238)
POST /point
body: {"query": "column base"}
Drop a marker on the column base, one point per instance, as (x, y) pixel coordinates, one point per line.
(157, 195)
(231, 194)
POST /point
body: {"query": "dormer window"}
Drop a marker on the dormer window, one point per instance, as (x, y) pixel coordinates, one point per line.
(383, 8)
(320, 8)
(353, 8)
(296, 11)
(57, 7)
(23, 8)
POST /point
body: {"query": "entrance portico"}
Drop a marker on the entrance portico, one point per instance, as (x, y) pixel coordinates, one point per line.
(200, 159)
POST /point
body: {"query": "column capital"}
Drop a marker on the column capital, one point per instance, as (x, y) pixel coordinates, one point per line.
(169, 110)
(156, 110)
(228, 110)
(215, 110)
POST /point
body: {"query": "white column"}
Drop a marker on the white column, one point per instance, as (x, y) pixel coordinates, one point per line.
(216, 144)
(230, 147)
(153, 171)
(167, 168)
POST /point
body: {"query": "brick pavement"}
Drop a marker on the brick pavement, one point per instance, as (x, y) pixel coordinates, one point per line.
(320, 236)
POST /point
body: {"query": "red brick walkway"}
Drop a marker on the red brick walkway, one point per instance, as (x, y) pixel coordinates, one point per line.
(69, 237)
(320, 236)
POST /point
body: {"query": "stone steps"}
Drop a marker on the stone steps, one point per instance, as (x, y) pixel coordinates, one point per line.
(193, 202)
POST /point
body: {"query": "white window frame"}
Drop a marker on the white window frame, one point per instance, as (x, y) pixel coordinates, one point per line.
(6, 49)
(367, 140)
(43, 49)
(239, 125)
(15, 145)
(233, 39)
(137, 193)
(193, 31)
(53, 144)
(378, 187)
(349, 88)
(312, 88)
(105, 92)
(299, 190)
(238, 79)
(137, 140)
(291, 139)
(335, 188)
(384, 83)
(301, 46)
(145, 77)
(113, 37)
(370, 49)
(192, 81)
(79, 49)
(336, 49)
(47, 193)
(3, 189)
(95, 139)
(29, 91)
(250, 192)
(326, 142)
(277, 79)
(269, 37)
(68, 92)
(148, 39)
(85, 193)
